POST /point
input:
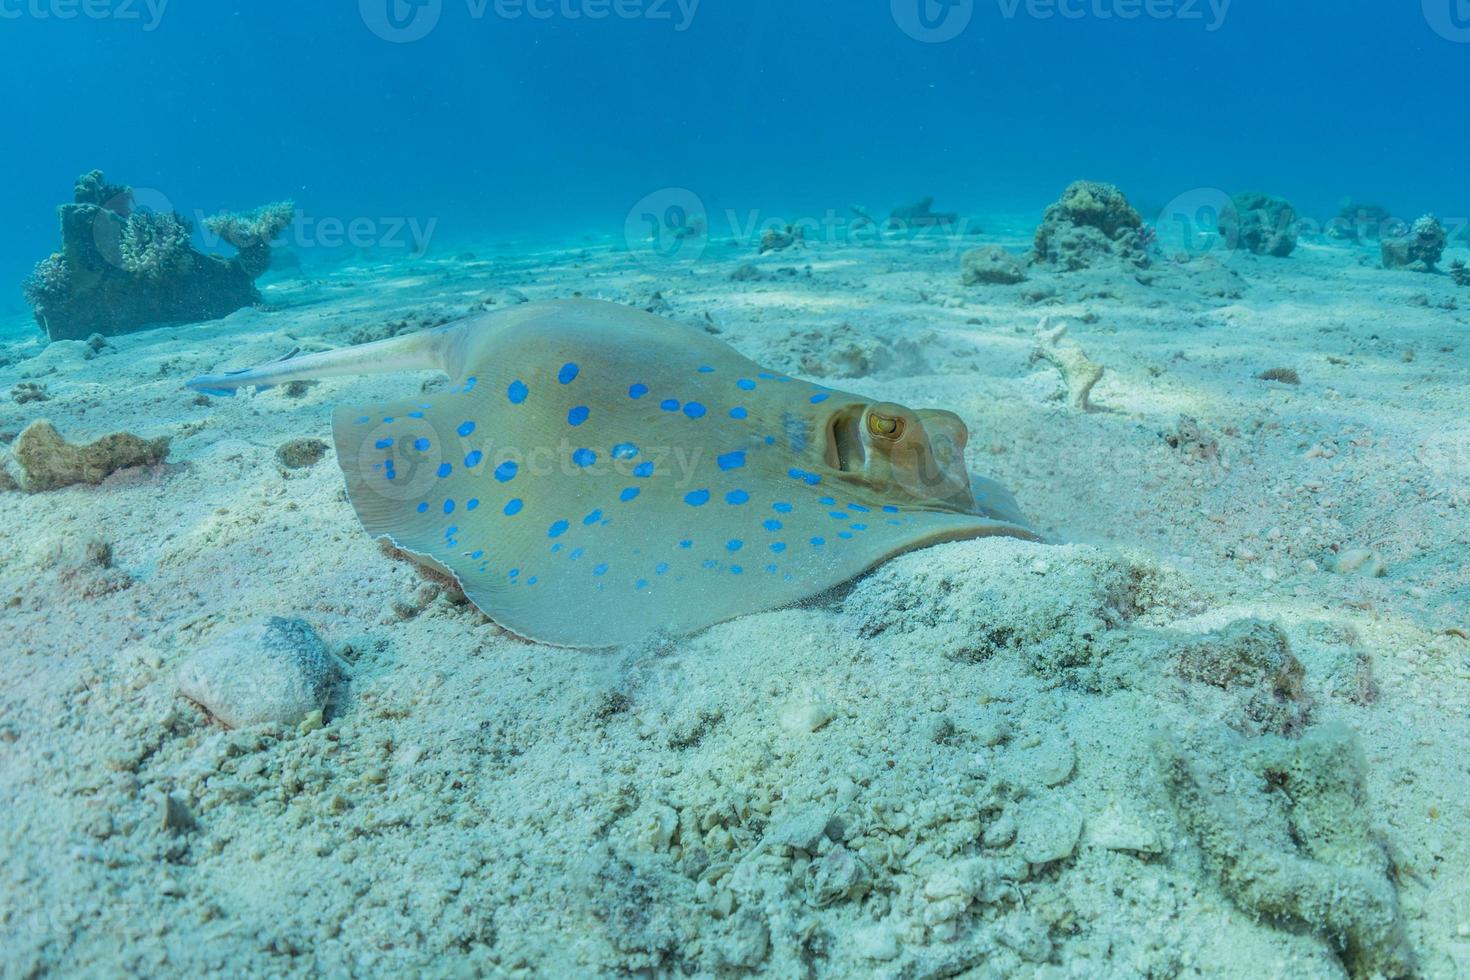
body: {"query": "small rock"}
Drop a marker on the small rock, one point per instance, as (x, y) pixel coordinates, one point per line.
(174, 814)
(1054, 762)
(1360, 561)
(1048, 831)
(837, 876)
(1027, 935)
(801, 830)
(1117, 830)
(804, 714)
(271, 671)
(749, 942)
(876, 942)
(301, 453)
(991, 265)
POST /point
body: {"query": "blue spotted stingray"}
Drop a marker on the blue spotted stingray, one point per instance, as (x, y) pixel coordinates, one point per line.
(593, 474)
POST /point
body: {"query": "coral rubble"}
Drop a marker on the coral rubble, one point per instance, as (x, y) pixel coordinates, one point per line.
(122, 267)
(991, 265)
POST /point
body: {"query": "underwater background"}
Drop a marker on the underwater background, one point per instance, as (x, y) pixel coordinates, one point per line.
(544, 119)
(902, 488)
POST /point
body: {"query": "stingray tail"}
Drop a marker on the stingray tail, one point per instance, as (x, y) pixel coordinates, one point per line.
(427, 350)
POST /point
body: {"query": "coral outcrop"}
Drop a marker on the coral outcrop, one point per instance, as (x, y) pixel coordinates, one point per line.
(992, 266)
(121, 267)
(1260, 224)
(1420, 250)
(1091, 222)
(49, 462)
(1356, 222)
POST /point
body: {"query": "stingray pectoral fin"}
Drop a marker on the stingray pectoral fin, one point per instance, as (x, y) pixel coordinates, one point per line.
(996, 502)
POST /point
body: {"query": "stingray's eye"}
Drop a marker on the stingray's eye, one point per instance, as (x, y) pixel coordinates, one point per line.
(885, 426)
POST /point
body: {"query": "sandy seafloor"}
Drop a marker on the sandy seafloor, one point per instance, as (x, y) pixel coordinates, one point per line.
(992, 758)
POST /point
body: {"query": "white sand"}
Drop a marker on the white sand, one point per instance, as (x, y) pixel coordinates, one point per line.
(989, 716)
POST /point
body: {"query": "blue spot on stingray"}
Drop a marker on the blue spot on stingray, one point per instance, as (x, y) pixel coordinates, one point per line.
(770, 440)
(895, 523)
(810, 479)
(556, 548)
(451, 530)
(736, 570)
(643, 469)
(444, 470)
(706, 369)
(514, 507)
(735, 545)
(387, 420)
(737, 497)
(472, 504)
(584, 457)
(745, 384)
(423, 508)
(474, 459)
(819, 397)
(477, 556)
(827, 501)
(506, 471)
(845, 535)
(469, 383)
(686, 543)
(637, 391)
(593, 517)
(628, 494)
(767, 375)
(449, 506)
(738, 412)
(531, 580)
(568, 373)
(778, 546)
(517, 392)
(641, 584)
(890, 509)
(771, 569)
(465, 428)
(415, 415)
(363, 420)
(858, 527)
(600, 569)
(669, 404)
(696, 498)
(772, 525)
(557, 530)
(731, 461)
(838, 515)
(695, 410)
(576, 553)
(859, 508)
(383, 443)
(781, 507)
(624, 450)
(708, 563)
(578, 415)
(818, 542)
(514, 572)
(421, 444)
(660, 568)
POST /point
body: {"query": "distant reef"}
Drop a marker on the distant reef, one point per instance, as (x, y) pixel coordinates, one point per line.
(122, 268)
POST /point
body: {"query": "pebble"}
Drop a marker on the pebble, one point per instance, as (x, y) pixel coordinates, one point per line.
(1048, 831)
(838, 875)
(1055, 762)
(804, 714)
(1359, 561)
(802, 829)
(270, 671)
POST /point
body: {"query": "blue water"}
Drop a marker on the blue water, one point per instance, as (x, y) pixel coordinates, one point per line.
(530, 128)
